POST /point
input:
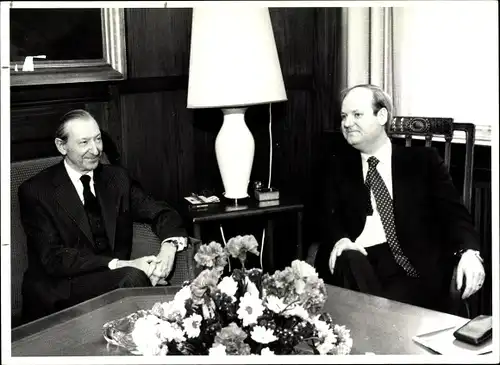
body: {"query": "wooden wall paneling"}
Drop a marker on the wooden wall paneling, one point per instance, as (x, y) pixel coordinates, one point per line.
(35, 113)
(293, 145)
(32, 130)
(206, 124)
(326, 87)
(327, 66)
(292, 166)
(113, 121)
(258, 122)
(158, 140)
(158, 42)
(58, 94)
(293, 32)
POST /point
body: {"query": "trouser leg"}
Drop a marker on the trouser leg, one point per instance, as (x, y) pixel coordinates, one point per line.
(91, 285)
(397, 285)
(352, 271)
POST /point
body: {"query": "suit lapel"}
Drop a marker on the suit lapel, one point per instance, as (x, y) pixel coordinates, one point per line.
(355, 169)
(358, 194)
(68, 199)
(107, 198)
(401, 186)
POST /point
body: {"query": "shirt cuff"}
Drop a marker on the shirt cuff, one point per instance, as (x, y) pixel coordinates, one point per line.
(475, 253)
(179, 242)
(112, 264)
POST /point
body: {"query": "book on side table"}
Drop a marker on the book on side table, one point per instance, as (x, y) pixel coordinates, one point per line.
(201, 202)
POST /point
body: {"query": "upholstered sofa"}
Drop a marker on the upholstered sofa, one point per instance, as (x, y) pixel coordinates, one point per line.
(145, 242)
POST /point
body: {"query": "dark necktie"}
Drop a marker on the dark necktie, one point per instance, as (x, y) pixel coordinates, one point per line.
(385, 208)
(93, 211)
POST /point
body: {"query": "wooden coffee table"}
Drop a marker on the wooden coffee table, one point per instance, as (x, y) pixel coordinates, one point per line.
(377, 325)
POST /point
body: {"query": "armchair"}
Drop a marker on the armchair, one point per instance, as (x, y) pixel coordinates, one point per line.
(428, 128)
(145, 242)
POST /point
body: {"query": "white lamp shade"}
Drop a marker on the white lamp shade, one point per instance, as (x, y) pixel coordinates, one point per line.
(233, 60)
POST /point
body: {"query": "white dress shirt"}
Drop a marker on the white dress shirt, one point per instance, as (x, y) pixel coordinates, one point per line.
(75, 176)
(373, 232)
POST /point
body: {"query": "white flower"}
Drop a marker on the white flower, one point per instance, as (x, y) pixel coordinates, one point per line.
(266, 352)
(343, 349)
(152, 349)
(250, 309)
(145, 336)
(192, 325)
(330, 337)
(251, 287)
(263, 335)
(322, 328)
(303, 269)
(183, 294)
(173, 310)
(324, 348)
(342, 331)
(300, 286)
(145, 325)
(228, 286)
(297, 310)
(217, 350)
(170, 332)
(314, 318)
(275, 304)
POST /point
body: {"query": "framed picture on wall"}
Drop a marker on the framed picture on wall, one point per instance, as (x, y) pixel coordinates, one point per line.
(55, 46)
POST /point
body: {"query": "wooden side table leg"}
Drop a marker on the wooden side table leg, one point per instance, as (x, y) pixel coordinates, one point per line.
(299, 253)
(197, 231)
(269, 263)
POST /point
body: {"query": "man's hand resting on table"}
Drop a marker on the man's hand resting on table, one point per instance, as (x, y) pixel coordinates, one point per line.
(340, 246)
(470, 268)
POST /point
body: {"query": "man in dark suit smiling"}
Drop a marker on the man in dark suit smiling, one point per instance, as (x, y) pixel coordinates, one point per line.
(78, 217)
(393, 218)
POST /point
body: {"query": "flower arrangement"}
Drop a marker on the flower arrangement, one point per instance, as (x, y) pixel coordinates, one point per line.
(244, 313)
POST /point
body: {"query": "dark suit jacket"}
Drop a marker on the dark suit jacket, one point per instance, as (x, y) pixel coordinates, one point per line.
(59, 235)
(431, 221)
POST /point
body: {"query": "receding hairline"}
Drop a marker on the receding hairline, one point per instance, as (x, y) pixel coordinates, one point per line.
(369, 92)
(78, 115)
(348, 90)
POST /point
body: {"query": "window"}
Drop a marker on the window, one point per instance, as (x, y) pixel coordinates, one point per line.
(75, 45)
(446, 62)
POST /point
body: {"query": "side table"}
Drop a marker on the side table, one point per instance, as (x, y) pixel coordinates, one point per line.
(251, 208)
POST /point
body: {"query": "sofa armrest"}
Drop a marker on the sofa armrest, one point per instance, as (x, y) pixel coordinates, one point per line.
(145, 243)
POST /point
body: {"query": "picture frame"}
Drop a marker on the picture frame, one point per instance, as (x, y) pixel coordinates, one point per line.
(111, 67)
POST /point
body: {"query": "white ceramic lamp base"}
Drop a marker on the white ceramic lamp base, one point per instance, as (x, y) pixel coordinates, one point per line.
(234, 148)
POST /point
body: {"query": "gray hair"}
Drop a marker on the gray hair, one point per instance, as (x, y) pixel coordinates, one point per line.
(61, 131)
(380, 99)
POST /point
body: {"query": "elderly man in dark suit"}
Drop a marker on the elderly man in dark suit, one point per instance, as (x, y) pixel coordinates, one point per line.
(78, 217)
(393, 219)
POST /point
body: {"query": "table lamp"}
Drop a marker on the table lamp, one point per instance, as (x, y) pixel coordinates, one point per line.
(233, 64)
